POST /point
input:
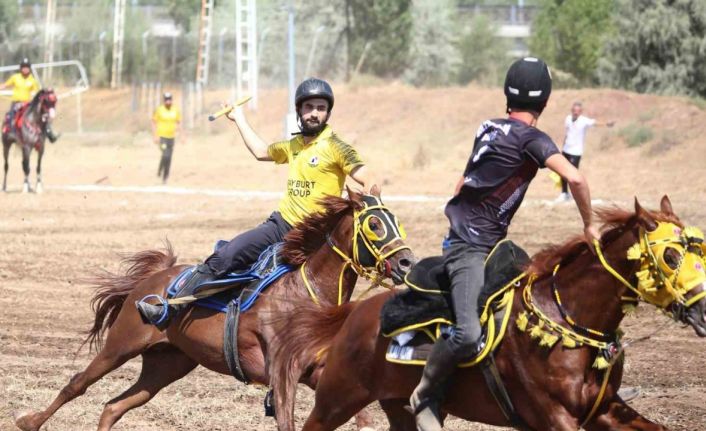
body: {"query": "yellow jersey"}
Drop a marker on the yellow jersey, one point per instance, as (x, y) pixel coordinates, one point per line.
(23, 89)
(315, 171)
(166, 121)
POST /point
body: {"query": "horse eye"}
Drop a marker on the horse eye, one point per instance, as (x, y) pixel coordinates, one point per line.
(374, 225)
(670, 258)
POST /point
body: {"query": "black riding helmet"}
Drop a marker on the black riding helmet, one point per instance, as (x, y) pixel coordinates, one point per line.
(25, 63)
(313, 88)
(528, 85)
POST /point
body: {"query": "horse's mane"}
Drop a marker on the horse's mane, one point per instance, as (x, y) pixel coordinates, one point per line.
(309, 234)
(614, 219)
(35, 99)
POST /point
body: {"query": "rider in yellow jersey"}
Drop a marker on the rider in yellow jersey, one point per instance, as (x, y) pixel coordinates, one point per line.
(319, 162)
(24, 87)
(166, 121)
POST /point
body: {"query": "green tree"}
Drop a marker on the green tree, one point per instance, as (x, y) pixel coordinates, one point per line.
(659, 46)
(386, 25)
(569, 35)
(433, 54)
(184, 12)
(483, 54)
(8, 18)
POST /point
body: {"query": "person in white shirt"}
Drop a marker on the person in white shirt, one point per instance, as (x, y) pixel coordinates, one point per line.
(576, 125)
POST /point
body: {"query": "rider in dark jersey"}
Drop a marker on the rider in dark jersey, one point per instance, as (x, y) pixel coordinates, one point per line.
(506, 156)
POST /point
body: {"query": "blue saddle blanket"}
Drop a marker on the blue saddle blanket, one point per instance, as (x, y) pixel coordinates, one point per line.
(266, 269)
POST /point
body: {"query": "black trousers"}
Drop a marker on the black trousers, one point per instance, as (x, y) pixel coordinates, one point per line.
(167, 147)
(574, 160)
(243, 250)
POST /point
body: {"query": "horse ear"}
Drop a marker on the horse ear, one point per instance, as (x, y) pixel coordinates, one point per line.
(644, 217)
(353, 195)
(666, 205)
(375, 190)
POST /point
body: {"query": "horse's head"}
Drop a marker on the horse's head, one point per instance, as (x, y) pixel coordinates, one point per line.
(671, 272)
(46, 101)
(378, 241)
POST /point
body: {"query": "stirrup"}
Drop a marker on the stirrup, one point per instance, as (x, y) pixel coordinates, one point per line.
(147, 312)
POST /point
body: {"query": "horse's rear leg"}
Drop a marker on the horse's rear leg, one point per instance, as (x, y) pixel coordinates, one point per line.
(616, 415)
(159, 369)
(127, 338)
(336, 401)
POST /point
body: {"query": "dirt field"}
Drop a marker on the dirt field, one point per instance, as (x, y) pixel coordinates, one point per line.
(418, 141)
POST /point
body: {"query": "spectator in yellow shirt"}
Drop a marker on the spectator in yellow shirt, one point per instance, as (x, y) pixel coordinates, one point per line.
(24, 87)
(166, 122)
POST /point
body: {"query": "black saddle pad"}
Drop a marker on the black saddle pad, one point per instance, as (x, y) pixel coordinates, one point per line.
(428, 297)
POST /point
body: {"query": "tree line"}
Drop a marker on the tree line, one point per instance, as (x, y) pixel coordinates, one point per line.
(641, 45)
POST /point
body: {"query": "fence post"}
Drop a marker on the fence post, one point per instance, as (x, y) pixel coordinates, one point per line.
(191, 105)
(79, 115)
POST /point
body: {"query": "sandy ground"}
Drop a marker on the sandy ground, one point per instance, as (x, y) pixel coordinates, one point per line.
(418, 142)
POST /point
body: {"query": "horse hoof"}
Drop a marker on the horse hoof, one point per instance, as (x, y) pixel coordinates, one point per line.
(25, 188)
(22, 420)
(39, 188)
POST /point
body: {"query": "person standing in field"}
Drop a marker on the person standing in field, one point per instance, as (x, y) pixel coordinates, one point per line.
(576, 124)
(166, 123)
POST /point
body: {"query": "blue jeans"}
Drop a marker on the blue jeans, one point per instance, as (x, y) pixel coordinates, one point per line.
(465, 267)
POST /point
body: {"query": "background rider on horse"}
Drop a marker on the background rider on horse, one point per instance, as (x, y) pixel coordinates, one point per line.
(24, 87)
(319, 162)
(506, 156)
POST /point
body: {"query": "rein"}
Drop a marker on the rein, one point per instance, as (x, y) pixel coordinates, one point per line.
(375, 272)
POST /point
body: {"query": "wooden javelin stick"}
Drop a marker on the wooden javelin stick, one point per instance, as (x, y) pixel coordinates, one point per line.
(228, 109)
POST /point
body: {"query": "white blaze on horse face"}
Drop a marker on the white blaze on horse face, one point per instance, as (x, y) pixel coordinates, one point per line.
(52, 113)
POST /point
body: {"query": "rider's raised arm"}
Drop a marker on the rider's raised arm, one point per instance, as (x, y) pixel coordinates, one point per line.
(256, 145)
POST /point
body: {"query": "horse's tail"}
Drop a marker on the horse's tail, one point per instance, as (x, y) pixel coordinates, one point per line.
(300, 346)
(112, 289)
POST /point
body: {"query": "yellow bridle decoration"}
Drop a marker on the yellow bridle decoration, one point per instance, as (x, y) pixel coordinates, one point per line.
(658, 284)
(361, 230)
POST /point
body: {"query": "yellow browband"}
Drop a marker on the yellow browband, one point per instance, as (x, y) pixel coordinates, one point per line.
(374, 274)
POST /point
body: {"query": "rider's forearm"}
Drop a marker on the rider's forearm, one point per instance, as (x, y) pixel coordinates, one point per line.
(582, 196)
(256, 145)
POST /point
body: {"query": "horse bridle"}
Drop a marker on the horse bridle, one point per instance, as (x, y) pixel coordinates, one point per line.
(370, 251)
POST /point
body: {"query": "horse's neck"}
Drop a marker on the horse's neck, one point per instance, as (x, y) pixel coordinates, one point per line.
(589, 293)
(323, 271)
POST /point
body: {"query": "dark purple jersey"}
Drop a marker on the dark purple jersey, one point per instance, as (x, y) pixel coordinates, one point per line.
(505, 158)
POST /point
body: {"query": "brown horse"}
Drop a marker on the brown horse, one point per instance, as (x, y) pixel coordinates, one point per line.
(31, 134)
(551, 388)
(322, 244)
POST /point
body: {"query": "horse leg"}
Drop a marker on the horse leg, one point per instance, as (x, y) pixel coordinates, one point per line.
(5, 153)
(40, 154)
(127, 338)
(160, 368)
(26, 150)
(616, 415)
(331, 410)
(398, 417)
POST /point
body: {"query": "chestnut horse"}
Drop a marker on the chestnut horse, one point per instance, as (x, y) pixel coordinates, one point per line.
(326, 244)
(31, 134)
(551, 388)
